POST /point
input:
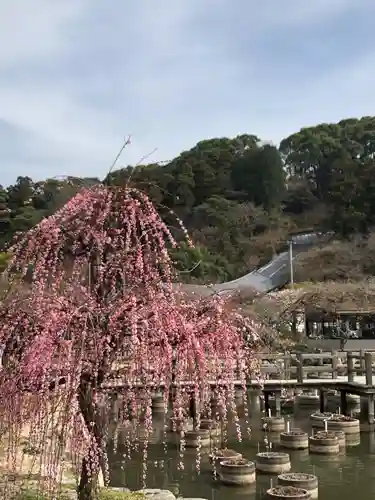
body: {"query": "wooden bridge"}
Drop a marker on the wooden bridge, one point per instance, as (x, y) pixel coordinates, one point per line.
(348, 372)
(313, 368)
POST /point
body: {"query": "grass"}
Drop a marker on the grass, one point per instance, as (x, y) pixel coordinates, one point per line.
(108, 494)
(104, 494)
(31, 493)
(23, 486)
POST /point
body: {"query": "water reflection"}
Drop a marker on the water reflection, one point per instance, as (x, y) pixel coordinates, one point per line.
(341, 477)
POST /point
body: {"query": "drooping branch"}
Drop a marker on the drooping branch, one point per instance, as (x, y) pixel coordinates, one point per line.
(103, 283)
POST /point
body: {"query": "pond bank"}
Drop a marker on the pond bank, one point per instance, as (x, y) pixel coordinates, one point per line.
(125, 494)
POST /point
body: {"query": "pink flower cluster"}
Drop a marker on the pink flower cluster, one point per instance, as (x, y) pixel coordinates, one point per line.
(92, 299)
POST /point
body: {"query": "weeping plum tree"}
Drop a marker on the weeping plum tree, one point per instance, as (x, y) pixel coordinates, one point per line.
(102, 289)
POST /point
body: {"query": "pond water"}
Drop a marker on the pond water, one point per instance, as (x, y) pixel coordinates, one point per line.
(341, 477)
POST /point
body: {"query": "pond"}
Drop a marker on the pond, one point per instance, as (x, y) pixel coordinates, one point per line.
(341, 477)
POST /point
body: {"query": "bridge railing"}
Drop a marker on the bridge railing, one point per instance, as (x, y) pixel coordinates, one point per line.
(331, 364)
(303, 367)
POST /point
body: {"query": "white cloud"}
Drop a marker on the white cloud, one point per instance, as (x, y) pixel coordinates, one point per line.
(78, 75)
(34, 28)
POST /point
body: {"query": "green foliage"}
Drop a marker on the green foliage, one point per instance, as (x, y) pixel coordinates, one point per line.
(24, 204)
(198, 265)
(109, 494)
(238, 198)
(4, 257)
(259, 176)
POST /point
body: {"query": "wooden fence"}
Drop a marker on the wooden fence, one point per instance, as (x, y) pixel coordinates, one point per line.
(303, 366)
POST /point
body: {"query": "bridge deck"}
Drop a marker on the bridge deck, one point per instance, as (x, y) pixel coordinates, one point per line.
(356, 376)
(358, 380)
(358, 386)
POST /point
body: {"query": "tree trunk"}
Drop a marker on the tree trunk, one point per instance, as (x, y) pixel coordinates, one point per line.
(89, 482)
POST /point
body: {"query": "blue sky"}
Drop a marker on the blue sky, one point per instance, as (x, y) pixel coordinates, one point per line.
(76, 76)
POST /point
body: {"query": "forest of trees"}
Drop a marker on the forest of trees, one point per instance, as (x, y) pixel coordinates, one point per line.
(240, 199)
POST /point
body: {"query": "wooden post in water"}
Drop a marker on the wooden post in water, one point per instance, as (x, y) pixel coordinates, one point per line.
(254, 403)
(368, 367)
(372, 443)
(343, 403)
(278, 403)
(370, 409)
(322, 400)
(193, 410)
(266, 402)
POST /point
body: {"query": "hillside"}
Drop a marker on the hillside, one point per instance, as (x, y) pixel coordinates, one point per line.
(240, 199)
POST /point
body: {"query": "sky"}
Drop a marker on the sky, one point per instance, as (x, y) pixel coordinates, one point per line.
(78, 76)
